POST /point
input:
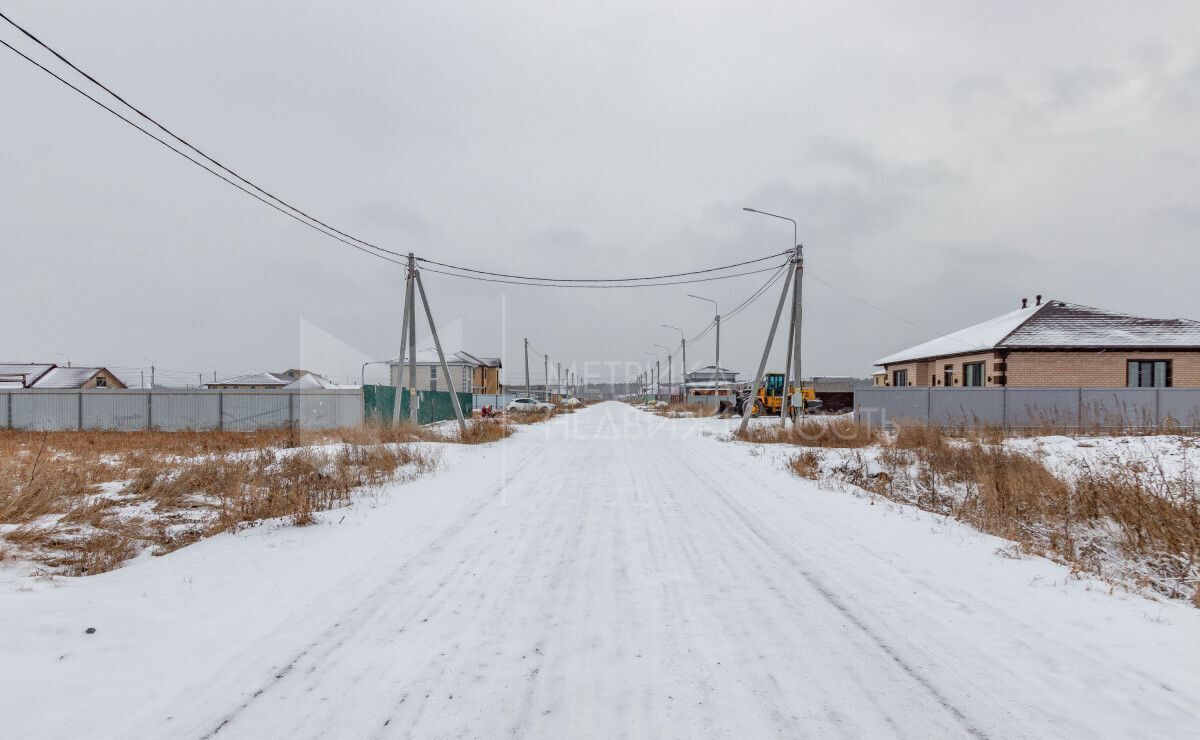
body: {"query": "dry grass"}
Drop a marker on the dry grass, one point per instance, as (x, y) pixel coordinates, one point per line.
(482, 431)
(84, 502)
(1132, 522)
(839, 432)
(522, 418)
(806, 464)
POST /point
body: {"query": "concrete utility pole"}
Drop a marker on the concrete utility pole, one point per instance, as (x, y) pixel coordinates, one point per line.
(748, 407)
(683, 344)
(546, 375)
(797, 268)
(717, 320)
(437, 344)
(559, 371)
(410, 292)
(670, 392)
(527, 368)
(399, 358)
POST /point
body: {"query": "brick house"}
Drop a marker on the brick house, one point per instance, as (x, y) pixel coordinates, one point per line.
(471, 373)
(1055, 343)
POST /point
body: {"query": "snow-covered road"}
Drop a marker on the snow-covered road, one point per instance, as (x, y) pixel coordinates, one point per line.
(606, 574)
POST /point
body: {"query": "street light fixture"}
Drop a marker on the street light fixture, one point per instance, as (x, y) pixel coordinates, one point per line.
(683, 366)
(363, 375)
(717, 319)
(797, 261)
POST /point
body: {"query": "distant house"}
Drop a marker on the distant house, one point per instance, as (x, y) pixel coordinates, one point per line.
(471, 373)
(1055, 343)
(709, 380)
(267, 380)
(49, 375)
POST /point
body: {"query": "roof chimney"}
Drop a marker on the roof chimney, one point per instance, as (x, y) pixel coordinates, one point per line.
(1024, 303)
(1039, 300)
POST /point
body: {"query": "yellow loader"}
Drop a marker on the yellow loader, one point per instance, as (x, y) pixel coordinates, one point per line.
(771, 394)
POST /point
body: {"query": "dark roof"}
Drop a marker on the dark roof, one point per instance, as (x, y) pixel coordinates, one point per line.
(1061, 324)
(1058, 325)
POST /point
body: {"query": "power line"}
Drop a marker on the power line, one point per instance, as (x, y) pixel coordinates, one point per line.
(176, 136)
(868, 304)
(183, 154)
(601, 280)
(590, 285)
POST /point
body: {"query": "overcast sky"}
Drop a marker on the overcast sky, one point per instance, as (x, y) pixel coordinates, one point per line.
(943, 160)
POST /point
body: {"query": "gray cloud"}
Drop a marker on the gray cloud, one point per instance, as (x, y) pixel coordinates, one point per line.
(942, 162)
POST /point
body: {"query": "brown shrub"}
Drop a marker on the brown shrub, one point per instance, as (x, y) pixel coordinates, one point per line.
(806, 464)
(482, 431)
(1154, 515)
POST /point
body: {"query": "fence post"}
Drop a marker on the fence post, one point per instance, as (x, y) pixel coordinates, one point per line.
(221, 410)
(291, 411)
(9, 402)
(79, 410)
(1004, 408)
(1157, 408)
(1079, 412)
(149, 409)
(928, 406)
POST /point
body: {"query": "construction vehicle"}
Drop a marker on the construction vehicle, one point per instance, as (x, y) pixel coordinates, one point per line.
(771, 395)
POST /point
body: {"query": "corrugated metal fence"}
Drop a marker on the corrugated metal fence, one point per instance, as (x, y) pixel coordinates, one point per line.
(1066, 409)
(172, 410)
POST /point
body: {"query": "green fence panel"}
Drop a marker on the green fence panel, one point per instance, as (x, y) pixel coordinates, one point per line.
(379, 402)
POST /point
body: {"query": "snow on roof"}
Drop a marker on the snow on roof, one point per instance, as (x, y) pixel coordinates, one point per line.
(30, 370)
(1057, 324)
(977, 338)
(1062, 324)
(263, 378)
(309, 380)
(66, 377)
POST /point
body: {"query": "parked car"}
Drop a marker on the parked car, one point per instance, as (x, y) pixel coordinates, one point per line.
(528, 404)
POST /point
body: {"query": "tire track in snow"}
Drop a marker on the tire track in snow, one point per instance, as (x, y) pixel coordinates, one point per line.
(351, 617)
(758, 529)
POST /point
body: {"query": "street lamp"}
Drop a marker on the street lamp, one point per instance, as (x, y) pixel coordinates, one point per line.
(683, 343)
(797, 307)
(717, 319)
(363, 374)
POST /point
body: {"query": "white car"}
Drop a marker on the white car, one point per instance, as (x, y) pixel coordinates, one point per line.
(528, 404)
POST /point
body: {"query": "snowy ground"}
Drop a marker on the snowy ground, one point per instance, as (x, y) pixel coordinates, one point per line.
(609, 573)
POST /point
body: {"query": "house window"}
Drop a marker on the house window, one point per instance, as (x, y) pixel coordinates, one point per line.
(1149, 374)
(899, 377)
(101, 382)
(973, 374)
(948, 376)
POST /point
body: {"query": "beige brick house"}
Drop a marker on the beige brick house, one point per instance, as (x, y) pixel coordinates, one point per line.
(1055, 343)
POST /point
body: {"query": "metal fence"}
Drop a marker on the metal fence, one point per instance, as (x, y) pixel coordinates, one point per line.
(1065, 409)
(173, 410)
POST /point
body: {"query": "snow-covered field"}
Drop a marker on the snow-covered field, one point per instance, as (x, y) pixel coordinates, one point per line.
(609, 573)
